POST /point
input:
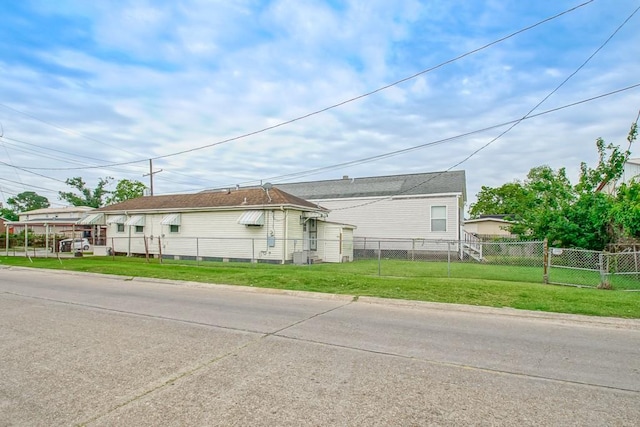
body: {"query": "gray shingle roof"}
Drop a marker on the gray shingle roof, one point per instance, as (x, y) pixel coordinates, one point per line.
(394, 185)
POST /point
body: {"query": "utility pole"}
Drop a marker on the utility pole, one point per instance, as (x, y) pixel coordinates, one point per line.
(150, 175)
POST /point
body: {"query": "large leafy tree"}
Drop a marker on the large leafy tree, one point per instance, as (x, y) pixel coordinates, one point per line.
(547, 205)
(85, 196)
(626, 209)
(126, 189)
(8, 214)
(27, 201)
(510, 199)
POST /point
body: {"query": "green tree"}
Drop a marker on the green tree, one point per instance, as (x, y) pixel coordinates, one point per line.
(27, 201)
(547, 205)
(510, 199)
(626, 209)
(125, 190)
(8, 214)
(94, 198)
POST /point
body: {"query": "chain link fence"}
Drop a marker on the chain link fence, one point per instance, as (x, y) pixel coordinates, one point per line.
(494, 260)
(508, 260)
(577, 267)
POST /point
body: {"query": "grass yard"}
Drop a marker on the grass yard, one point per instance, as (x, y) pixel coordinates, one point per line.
(484, 285)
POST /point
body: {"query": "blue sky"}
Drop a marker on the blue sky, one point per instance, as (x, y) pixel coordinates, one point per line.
(86, 85)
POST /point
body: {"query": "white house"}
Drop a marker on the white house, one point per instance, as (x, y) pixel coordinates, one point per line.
(256, 224)
(630, 171)
(412, 206)
(64, 221)
(494, 226)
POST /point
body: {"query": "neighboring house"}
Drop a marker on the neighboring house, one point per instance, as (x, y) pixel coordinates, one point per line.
(3, 225)
(489, 226)
(257, 224)
(53, 221)
(630, 172)
(413, 206)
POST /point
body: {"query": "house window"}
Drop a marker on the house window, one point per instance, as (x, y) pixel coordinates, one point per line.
(120, 228)
(139, 228)
(174, 228)
(438, 218)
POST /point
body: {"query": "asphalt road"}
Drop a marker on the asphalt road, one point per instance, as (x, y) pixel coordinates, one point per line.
(82, 349)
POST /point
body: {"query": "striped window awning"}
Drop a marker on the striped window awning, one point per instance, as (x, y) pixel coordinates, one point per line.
(118, 219)
(172, 219)
(92, 219)
(137, 220)
(251, 218)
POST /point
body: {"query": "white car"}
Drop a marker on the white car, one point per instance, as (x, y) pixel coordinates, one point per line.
(67, 245)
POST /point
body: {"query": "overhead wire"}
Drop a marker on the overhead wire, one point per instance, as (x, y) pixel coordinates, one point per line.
(325, 109)
(517, 122)
(308, 172)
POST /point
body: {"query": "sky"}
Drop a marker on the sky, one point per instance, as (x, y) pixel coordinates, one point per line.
(225, 93)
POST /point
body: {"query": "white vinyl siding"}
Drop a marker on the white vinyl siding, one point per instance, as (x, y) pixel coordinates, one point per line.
(402, 218)
(215, 235)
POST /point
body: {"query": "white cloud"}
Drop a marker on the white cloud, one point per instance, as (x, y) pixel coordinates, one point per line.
(149, 79)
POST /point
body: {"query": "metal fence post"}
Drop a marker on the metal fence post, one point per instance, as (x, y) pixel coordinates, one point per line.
(379, 258)
(448, 259)
(413, 249)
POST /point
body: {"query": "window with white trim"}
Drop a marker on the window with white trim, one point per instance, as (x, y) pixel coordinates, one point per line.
(173, 228)
(438, 218)
(139, 228)
(120, 227)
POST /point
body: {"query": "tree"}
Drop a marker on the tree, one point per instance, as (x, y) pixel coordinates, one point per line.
(626, 209)
(8, 214)
(509, 199)
(547, 205)
(125, 190)
(27, 201)
(94, 198)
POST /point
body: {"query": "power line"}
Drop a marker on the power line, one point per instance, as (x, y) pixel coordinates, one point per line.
(322, 110)
(339, 104)
(308, 172)
(517, 122)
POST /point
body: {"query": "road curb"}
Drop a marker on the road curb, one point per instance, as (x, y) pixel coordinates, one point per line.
(506, 311)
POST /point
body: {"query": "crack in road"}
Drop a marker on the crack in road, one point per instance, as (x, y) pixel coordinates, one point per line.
(279, 334)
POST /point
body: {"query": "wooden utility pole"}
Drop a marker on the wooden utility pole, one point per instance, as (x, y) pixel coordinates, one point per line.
(150, 175)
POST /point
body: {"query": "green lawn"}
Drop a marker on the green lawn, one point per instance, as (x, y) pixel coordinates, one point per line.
(508, 286)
